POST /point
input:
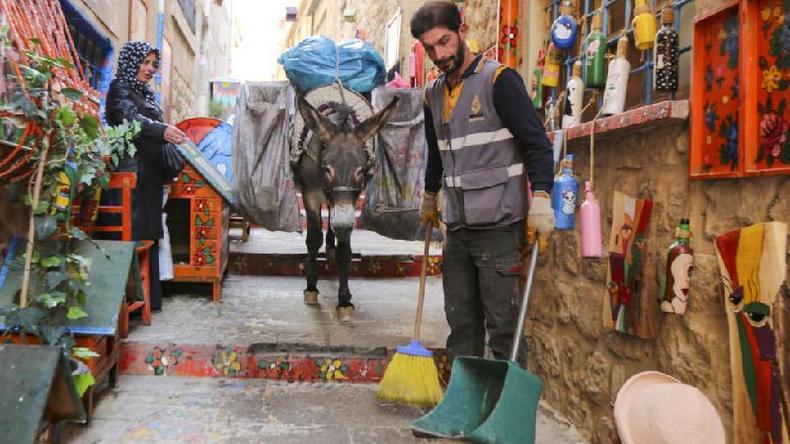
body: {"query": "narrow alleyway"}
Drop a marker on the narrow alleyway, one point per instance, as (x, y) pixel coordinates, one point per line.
(192, 396)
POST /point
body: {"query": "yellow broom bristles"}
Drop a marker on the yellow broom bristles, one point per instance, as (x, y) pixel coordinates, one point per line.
(411, 380)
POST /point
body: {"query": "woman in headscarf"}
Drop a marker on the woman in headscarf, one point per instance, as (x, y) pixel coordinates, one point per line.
(131, 99)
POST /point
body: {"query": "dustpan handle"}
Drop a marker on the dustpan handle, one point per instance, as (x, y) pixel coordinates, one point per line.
(423, 273)
(522, 314)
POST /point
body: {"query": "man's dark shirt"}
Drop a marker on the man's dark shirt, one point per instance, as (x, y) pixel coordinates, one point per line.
(515, 109)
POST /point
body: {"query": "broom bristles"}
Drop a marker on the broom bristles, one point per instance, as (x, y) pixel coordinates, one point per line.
(411, 380)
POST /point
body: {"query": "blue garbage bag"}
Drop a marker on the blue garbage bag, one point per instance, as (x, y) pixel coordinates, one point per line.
(316, 61)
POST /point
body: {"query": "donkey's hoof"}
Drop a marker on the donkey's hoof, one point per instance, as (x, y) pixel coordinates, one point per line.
(345, 314)
(311, 297)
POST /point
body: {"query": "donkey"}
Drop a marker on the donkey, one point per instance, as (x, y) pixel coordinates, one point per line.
(334, 168)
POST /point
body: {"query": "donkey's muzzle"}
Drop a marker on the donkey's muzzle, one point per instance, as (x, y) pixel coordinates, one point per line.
(342, 219)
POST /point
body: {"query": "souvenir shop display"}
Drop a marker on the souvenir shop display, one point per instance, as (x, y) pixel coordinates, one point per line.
(553, 65)
(565, 28)
(566, 190)
(644, 26)
(595, 54)
(617, 80)
(590, 223)
(680, 262)
(574, 96)
(666, 53)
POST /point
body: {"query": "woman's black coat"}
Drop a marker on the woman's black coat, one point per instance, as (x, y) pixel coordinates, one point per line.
(123, 103)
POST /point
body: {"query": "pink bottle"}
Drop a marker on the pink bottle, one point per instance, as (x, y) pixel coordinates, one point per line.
(590, 214)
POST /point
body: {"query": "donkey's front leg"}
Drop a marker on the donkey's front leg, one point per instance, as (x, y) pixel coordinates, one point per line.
(314, 240)
(345, 309)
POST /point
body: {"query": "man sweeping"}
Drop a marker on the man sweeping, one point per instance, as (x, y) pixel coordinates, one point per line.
(484, 140)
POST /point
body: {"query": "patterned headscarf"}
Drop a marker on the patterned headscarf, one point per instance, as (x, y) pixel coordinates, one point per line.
(129, 61)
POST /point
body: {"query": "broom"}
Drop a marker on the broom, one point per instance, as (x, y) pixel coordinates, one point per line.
(411, 377)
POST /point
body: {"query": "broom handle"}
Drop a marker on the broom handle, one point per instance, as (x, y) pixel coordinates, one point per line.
(423, 273)
(522, 314)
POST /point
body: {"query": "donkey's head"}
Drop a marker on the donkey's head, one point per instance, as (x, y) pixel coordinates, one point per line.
(343, 159)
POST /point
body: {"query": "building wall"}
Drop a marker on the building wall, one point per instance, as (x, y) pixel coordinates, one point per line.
(581, 364)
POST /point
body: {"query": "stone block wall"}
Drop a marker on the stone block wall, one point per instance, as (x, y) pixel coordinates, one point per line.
(581, 364)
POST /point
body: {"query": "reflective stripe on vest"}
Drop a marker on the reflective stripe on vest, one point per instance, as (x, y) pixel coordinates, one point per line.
(512, 171)
(475, 139)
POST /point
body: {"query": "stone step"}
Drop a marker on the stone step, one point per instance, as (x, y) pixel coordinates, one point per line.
(269, 253)
(282, 362)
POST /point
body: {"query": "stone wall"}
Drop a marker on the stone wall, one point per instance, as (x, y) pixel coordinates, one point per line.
(582, 365)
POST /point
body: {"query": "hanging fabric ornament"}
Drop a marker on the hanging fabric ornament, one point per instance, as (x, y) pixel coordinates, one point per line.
(680, 261)
(590, 220)
(595, 54)
(574, 96)
(666, 54)
(644, 26)
(617, 82)
(565, 28)
(551, 70)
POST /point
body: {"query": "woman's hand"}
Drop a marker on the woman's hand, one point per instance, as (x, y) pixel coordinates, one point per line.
(175, 135)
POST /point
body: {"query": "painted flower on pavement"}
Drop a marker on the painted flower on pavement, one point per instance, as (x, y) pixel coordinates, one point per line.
(158, 362)
(333, 369)
(226, 361)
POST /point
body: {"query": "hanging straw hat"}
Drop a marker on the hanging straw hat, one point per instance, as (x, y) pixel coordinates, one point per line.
(654, 408)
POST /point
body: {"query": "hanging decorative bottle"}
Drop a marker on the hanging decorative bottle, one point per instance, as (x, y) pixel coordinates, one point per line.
(565, 28)
(567, 188)
(666, 54)
(617, 81)
(574, 96)
(644, 26)
(537, 81)
(595, 54)
(680, 262)
(590, 220)
(551, 70)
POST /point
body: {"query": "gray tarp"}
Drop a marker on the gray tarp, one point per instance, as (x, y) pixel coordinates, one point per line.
(394, 193)
(263, 185)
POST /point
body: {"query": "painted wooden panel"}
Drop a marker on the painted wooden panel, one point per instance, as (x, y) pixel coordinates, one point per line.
(768, 129)
(508, 44)
(630, 305)
(716, 144)
(753, 268)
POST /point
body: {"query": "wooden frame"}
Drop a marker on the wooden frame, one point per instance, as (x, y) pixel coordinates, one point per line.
(740, 103)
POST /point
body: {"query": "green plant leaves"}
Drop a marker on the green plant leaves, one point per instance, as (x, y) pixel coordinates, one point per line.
(76, 313)
(66, 116)
(51, 262)
(90, 126)
(84, 353)
(71, 93)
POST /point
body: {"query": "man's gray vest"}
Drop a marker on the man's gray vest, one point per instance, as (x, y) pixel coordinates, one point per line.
(484, 172)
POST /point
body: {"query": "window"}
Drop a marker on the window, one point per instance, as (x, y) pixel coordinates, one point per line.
(94, 49)
(740, 121)
(188, 8)
(617, 16)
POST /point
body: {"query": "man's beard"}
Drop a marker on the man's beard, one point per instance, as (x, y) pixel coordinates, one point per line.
(457, 60)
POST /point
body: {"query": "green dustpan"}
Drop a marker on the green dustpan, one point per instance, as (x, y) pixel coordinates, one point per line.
(488, 401)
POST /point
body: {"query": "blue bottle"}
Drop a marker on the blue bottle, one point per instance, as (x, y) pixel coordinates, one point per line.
(564, 196)
(565, 28)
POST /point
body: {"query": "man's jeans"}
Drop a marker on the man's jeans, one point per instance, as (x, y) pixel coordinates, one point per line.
(481, 271)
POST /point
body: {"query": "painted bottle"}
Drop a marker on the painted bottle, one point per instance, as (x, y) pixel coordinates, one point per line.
(537, 88)
(617, 81)
(666, 54)
(590, 223)
(680, 262)
(574, 97)
(551, 70)
(565, 28)
(567, 189)
(595, 54)
(644, 26)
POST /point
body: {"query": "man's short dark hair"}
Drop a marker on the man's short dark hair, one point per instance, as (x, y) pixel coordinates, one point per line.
(433, 15)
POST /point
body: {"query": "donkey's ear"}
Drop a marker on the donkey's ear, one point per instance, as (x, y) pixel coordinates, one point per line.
(315, 121)
(372, 124)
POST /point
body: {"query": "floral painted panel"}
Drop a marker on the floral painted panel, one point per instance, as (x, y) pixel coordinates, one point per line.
(720, 98)
(773, 150)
